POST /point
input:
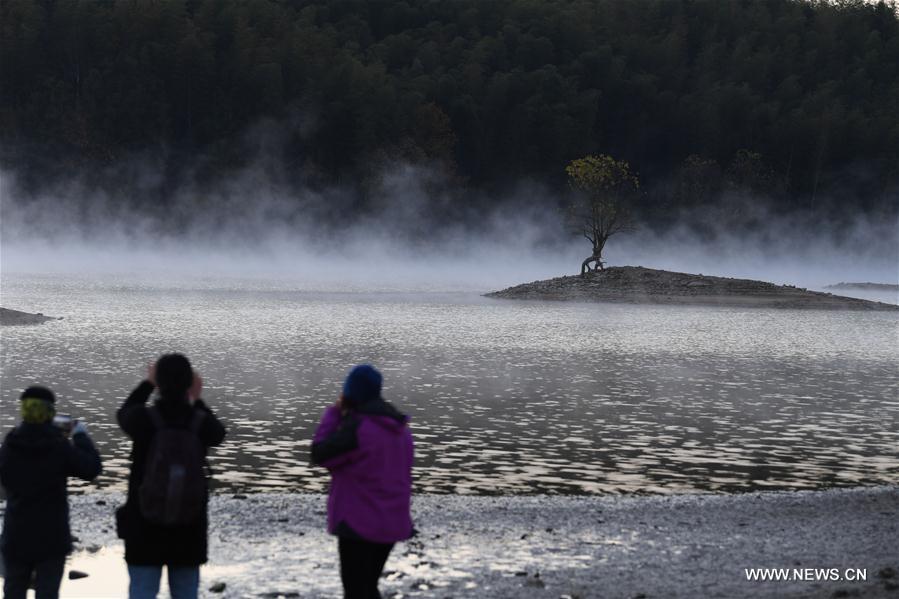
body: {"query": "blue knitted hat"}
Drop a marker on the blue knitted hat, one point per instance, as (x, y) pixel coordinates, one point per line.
(362, 384)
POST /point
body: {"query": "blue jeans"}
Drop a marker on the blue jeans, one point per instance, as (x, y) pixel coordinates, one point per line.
(184, 582)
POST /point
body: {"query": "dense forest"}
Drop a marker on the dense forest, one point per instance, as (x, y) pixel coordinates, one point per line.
(794, 101)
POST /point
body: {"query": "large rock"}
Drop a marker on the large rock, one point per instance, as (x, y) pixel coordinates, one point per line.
(16, 318)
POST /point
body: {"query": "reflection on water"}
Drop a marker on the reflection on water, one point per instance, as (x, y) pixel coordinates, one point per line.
(506, 397)
(107, 574)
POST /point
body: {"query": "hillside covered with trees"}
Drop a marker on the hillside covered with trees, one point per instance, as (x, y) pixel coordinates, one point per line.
(795, 101)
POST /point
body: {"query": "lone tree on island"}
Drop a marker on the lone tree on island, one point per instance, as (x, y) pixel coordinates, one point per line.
(603, 188)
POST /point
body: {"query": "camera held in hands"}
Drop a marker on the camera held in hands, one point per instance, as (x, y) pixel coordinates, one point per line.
(64, 422)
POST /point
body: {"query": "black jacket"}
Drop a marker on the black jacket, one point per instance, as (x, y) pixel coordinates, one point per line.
(147, 543)
(35, 461)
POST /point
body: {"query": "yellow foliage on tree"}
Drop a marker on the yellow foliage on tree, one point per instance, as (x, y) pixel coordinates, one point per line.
(603, 189)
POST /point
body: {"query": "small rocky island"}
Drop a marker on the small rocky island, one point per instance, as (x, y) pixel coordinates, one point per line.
(16, 318)
(635, 284)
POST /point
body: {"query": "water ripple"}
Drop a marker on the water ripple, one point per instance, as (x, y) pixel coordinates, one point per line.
(505, 397)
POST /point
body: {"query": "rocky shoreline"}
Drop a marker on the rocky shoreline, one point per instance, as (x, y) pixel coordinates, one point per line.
(635, 284)
(696, 545)
(865, 286)
(16, 318)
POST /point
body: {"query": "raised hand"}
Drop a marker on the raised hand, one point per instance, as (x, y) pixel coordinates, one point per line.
(79, 427)
(196, 388)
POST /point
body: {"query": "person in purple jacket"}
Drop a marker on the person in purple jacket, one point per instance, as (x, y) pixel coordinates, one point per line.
(366, 445)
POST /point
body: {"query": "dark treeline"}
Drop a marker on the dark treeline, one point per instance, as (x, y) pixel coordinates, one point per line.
(796, 101)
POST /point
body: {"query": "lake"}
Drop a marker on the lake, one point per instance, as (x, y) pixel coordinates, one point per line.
(505, 397)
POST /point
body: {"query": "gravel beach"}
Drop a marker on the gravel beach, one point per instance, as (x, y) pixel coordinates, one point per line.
(273, 545)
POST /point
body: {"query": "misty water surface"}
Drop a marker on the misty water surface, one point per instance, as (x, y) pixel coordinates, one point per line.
(505, 397)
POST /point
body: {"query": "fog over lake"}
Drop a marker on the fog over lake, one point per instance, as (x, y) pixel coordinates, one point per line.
(504, 396)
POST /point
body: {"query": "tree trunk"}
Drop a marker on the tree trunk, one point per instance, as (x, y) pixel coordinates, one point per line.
(596, 258)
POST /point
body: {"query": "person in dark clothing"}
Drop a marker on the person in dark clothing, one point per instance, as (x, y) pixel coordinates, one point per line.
(149, 544)
(36, 458)
(366, 445)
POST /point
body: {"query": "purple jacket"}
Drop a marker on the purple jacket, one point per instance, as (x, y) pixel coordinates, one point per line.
(369, 453)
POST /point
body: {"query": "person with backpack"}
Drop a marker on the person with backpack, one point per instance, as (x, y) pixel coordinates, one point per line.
(366, 445)
(36, 459)
(164, 519)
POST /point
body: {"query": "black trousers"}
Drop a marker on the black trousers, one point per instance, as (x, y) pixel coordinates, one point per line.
(361, 564)
(47, 576)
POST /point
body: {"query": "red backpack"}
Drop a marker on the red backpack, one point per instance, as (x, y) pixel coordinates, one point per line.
(173, 490)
